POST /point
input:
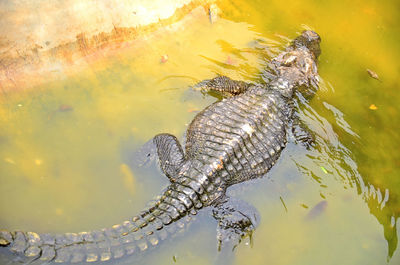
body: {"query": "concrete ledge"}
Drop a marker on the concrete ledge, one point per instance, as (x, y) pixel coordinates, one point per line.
(44, 40)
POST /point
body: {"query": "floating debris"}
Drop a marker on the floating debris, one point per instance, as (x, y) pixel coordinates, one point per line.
(373, 107)
(164, 58)
(373, 74)
(284, 205)
(38, 162)
(304, 206)
(324, 170)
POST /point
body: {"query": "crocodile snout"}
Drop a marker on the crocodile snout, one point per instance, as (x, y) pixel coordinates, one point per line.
(309, 39)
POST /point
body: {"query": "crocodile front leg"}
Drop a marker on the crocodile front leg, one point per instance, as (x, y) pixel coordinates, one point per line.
(223, 85)
(301, 133)
(236, 220)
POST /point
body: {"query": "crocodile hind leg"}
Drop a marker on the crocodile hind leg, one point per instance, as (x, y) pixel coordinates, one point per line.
(236, 221)
(170, 154)
(223, 85)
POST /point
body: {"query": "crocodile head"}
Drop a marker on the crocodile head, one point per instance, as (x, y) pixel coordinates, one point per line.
(297, 66)
(310, 40)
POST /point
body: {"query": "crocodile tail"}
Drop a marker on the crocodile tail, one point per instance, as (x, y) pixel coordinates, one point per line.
(164, 218)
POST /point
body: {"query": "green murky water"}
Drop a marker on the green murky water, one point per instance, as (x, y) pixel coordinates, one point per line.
(66, 147)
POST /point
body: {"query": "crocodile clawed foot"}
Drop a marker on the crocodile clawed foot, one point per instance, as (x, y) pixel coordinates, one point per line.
(302, 135)
(236, 221)
(222, 86)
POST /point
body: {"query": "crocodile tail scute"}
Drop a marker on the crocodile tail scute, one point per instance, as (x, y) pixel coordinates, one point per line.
(167, 216)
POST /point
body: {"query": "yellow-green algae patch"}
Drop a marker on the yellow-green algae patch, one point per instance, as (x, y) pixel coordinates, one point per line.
(73, 140)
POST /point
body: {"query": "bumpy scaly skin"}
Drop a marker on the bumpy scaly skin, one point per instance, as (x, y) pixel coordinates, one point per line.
(238, 138)
(142, 232)
(231, 141)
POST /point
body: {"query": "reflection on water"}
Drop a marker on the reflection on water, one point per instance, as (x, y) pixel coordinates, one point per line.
(66, 147)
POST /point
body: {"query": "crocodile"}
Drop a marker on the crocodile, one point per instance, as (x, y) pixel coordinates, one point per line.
(231, 141)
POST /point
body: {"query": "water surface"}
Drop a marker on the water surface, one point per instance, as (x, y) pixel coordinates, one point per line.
(66, 147)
